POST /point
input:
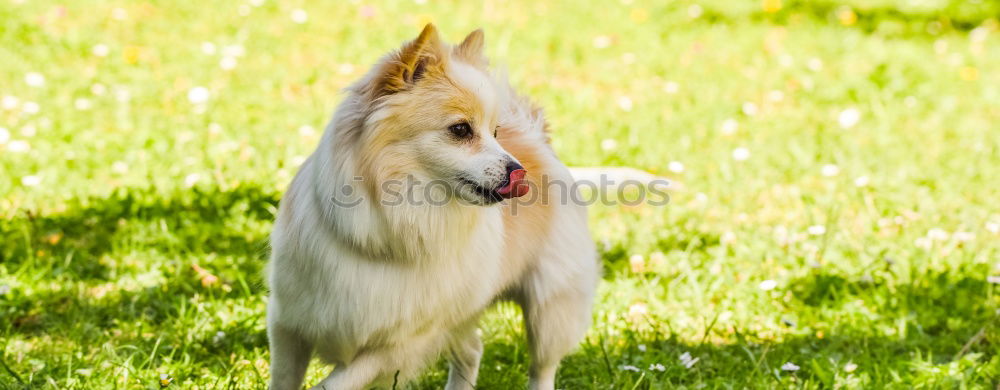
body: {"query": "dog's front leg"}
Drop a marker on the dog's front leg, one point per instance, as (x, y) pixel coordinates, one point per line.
(464, 351)
(356, 375)
(289, 358)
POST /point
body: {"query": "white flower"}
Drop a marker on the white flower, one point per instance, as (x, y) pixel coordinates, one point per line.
(119, 14)
(609, 144)
(122, 94)
(727, 237)
(700, 198)
(937, 234)
(741, 154)
(602, 41)
(98, 89)
(628, 367)
(729, 126)
(233, 51)
(191, 180)
(31, 180)
(214, 128)
(642, 347)
(849, 117)
(637, 310)
(789, 366)
(198, 95)
(749, 109)
(82, 104)
(30, 107)
(18, 146)
(4, 289)
(786, 60)
(227, 63)
(119, 167)
(776, 96)
(687, 361)
(694, 11)
(850, 367)
(658, 367)
(767, 285)
(675, 167)
(4, 135)
(993, 227)
(208, 48)
(219, 336)
(814, 64)
(993, 279)
(625, 103)
(29, 130)
(34, 79)
(299, 15)
(817, 230)
(671, 87)
(628, 58)
(9, 102)
(861, 181)
(345, 68)
(979, 34)
(964, 236)
(637, 263)
(306, 131)
(830, 170)
(923, 243)
(100, 50)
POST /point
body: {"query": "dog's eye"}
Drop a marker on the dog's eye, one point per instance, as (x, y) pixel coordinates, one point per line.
(461, 130)
(495, 131)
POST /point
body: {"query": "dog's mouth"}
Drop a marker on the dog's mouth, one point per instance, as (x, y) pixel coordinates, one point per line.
(489, 196)
(513, 186)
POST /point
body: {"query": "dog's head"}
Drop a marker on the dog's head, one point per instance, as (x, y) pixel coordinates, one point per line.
(430, 112)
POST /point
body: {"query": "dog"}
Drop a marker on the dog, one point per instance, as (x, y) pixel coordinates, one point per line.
(423, 205)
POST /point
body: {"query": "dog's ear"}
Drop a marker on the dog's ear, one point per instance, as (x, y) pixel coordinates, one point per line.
(471, 48)
(412, 62)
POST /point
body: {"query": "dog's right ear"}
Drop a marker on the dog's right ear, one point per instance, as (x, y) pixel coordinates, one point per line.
(414, 61)
(471, 49)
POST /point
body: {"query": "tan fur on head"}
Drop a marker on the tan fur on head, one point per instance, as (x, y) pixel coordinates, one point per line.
(402, 68)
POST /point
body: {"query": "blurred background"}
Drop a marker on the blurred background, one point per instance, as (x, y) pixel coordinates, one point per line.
(834, 224)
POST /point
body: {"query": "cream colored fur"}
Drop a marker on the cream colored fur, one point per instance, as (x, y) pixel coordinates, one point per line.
(381, 291)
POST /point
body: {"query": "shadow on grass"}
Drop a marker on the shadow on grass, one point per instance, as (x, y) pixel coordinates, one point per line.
(933, 339)
(198, 221)
(119, 271)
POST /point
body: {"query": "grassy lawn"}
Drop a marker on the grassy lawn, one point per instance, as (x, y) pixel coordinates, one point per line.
(836, 221)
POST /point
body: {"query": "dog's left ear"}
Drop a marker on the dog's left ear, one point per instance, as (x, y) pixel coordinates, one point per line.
(471, 49)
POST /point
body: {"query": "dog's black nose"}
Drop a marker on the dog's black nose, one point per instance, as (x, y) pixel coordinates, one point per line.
(511, 167)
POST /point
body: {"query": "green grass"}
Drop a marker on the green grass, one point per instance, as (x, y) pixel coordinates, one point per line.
(139, 249)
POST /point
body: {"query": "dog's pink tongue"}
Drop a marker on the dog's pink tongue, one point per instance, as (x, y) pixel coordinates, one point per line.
(515, 186)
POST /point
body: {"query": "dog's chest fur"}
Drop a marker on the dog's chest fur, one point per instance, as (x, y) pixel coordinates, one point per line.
(344, 301)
